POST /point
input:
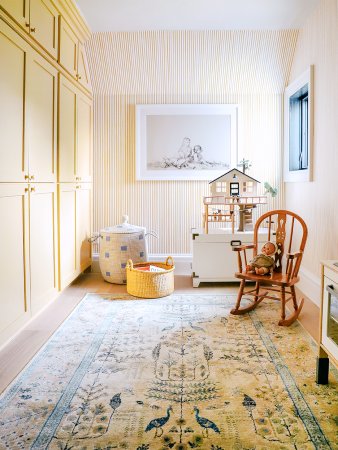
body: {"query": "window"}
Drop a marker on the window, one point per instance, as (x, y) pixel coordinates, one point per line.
(234, 188)
(248, 187)
(221, 186)
(298, 128)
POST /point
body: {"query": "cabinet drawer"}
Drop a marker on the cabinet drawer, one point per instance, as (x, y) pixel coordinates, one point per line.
(331, 275)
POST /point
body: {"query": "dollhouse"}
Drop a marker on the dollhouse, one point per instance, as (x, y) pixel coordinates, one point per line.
(233, 197)
(234, 183)
(227, 222)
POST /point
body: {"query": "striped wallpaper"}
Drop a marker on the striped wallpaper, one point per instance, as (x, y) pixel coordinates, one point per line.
(249, 68)
(317, 201)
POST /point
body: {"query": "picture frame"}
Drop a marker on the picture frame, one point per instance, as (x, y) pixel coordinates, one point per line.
(298, 128)
(185, 142)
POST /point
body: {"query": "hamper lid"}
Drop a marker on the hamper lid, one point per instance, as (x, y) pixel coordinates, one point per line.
(124, 227)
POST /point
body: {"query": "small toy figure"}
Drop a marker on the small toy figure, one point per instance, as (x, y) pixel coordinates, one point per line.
(264, 262)
(270, 190)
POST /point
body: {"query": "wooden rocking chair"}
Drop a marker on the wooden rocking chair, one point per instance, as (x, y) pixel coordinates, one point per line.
(286, 226)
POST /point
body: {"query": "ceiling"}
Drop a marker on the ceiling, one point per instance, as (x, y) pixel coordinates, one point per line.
(140, 15)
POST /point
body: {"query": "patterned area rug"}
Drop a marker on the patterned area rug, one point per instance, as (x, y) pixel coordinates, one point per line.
(178, 372)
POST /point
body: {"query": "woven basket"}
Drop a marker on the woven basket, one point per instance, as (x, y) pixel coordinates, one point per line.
(150, 284)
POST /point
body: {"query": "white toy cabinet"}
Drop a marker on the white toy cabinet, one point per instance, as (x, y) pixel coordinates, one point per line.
(213, 257)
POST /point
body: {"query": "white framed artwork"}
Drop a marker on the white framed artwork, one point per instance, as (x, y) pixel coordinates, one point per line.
(185, 142)
(298, 128)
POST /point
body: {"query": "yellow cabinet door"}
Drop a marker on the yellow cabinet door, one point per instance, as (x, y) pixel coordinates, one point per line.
(68, 49)
(83, 226)
(82, 68)
(84, 138)
(14, 301)
(67, 131)
(67, 234)
(44, 25)
(43, 245)
(13, 56)
(18, 10)
(41, 118)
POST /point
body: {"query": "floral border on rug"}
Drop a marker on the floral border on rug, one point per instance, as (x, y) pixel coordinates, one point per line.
(178, 372)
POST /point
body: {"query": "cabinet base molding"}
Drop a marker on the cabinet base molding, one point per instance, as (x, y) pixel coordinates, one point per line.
(69, 280)
(12, 331)
(309, 284)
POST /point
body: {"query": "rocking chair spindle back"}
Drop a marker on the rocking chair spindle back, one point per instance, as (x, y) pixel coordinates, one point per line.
(282, 225)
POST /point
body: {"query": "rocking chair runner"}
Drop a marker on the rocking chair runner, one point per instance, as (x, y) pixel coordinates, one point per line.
(278, 223)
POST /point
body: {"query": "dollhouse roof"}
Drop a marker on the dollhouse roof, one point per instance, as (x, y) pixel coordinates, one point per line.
(234, 170)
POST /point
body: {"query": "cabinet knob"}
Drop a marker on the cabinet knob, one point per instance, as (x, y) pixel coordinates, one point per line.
(33, 30)
(26, 189)
(26, 177)
(79, 77)
(33, 189)
(32, 177)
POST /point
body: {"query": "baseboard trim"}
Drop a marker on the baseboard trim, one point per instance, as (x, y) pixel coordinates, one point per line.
(182, 262)
(310, 286)
(26, 323)
(309, 283)
(95, 263)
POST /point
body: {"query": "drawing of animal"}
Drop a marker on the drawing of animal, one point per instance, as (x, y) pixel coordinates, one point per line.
(205, 423)
(158, 423)
(195, 327)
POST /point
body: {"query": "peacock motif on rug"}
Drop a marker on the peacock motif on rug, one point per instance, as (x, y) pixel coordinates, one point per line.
(174, 373)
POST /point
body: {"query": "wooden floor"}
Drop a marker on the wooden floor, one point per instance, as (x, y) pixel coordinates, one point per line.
(22, 348)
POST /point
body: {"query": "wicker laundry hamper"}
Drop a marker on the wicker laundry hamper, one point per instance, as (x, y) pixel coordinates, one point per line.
(118, 244)
(150, 284)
